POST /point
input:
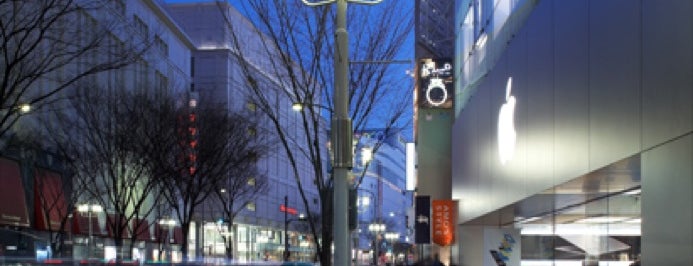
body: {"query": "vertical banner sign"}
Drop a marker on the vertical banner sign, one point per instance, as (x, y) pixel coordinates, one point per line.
(444, 213)
(422, 225)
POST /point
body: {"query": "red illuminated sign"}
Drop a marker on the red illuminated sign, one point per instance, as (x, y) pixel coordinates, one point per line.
(289, 210)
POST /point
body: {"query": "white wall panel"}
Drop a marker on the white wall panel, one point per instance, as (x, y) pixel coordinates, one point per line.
(614, 80)
(539, 98)
(500, 180)
(667, 70)
(516, 169)
(570, 89)
(462, 150)
(667, 213)
(486, 149)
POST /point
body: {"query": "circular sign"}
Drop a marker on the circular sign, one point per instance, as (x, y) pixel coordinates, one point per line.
(436, 94)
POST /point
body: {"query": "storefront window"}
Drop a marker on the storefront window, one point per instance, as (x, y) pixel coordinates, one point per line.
(596, 221)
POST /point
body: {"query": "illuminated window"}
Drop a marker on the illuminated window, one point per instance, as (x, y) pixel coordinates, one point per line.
(251, 181)
(250, 206)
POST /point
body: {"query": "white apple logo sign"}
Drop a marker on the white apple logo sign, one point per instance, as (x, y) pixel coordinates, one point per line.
(506, 126)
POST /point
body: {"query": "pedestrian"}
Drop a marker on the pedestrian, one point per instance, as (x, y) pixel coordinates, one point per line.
(436, 261)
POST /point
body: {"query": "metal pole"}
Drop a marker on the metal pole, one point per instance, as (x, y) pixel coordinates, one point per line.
(286, 228)
(341, 136)
(341, 132)
(91, 236)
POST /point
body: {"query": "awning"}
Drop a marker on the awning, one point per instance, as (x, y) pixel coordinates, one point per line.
(160, 233)
(12, 200)
(177, 235)
(49, 201)
(111, 227)
(141, 227)
(80, 224)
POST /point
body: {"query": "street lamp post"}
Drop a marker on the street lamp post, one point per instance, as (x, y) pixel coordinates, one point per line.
(89, 209)
(341, 130)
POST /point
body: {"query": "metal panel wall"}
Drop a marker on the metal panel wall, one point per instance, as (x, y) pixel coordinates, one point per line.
(614, 83)
(539, 98)
(570, 88)
(586, 97)
(667, 213)
(667, 70)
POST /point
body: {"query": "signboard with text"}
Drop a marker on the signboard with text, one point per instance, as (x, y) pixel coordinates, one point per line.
(422, 225)
(435, 88)
(443, 222)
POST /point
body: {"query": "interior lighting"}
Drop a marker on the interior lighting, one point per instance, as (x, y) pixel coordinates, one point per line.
(601, 219)
(366, 154)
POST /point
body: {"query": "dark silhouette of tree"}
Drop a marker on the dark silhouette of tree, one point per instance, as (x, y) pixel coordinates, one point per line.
(243, 185)
(48, 46)
(100, 134)
(195, 150)
(294, 44)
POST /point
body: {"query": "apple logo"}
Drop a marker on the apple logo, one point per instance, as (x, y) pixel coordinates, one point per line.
(506, 125)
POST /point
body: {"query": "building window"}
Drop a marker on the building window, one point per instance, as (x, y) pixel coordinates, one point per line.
(161, 83)
(141, 74)
(250, 206)
(161, 46)
(141, 27)
(119, 6)
(251, 181)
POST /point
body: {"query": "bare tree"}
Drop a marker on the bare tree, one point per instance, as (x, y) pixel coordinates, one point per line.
(197, 150)
(47, 46)
(239, 190)
(100, 132)
(58, 199)
(294, 44)
(53, 189)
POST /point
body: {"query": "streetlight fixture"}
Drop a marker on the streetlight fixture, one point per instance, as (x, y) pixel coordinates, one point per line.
(24, 108)
(89, 209)
(341, 130)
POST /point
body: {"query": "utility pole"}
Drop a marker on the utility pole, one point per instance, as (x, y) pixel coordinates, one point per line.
(341, 131)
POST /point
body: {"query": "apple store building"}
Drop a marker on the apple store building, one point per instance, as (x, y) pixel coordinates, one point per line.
(572, 140)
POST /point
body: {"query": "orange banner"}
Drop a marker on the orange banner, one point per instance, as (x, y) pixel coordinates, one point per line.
(444, 214)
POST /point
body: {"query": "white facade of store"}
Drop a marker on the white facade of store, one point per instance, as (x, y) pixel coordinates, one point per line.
(603, 95)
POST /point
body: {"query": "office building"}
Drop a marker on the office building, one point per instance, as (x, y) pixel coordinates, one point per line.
(383, 203)
(36, 214)
(258, 231)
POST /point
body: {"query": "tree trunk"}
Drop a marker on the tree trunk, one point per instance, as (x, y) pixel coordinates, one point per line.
(326, 229)
(185, 227)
